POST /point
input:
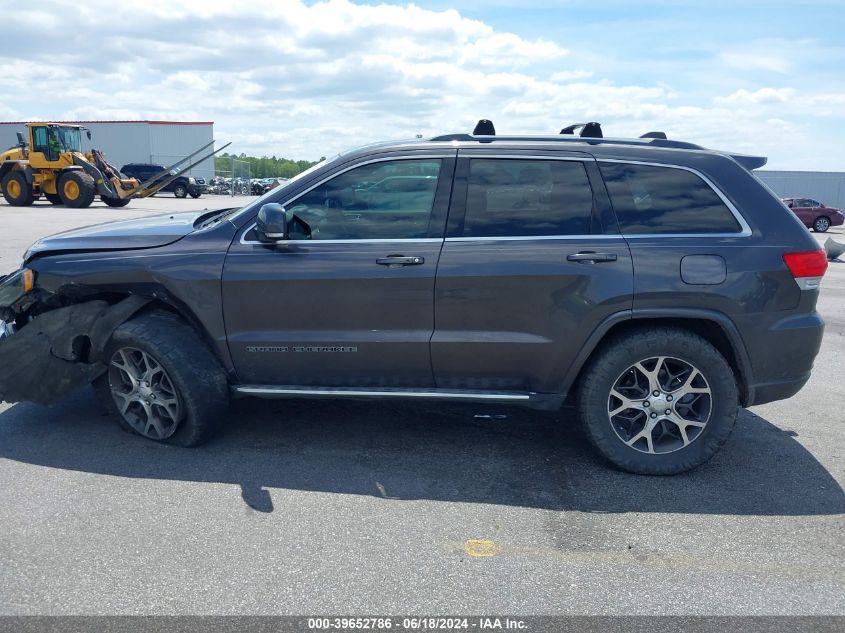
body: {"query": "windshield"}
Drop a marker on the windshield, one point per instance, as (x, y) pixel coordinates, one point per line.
(275, 192)
(69, 138)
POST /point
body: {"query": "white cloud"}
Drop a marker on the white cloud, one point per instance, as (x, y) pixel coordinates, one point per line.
(305, 80)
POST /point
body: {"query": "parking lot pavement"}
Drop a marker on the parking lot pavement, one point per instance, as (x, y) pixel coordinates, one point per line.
(357, 507)
(21, 226)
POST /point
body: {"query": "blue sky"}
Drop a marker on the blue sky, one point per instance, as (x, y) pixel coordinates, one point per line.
(305, 79)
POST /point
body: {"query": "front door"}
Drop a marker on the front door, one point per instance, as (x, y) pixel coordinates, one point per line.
(532, 263)
(348, 301)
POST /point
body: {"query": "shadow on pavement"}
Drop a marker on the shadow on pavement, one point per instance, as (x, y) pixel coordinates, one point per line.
(430, 451)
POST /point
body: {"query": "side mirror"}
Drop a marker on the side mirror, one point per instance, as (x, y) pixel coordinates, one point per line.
(272, 223)
(88, 134)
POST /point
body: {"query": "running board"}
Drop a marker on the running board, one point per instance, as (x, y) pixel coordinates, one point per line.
(284, 391)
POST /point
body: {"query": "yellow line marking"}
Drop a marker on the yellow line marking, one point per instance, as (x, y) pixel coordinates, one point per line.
(481, 548)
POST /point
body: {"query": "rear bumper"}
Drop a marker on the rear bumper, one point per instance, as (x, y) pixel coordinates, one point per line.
(782, 356)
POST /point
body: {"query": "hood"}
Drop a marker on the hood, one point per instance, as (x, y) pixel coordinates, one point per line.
(158, 230)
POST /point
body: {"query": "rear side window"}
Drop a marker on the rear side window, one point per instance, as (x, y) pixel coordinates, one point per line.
(649, 199)
(521, 197)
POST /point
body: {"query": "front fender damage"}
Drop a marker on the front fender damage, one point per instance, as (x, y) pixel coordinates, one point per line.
(60, 351)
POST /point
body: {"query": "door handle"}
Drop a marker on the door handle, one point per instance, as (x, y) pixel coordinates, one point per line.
(591, 257)
(400, 260)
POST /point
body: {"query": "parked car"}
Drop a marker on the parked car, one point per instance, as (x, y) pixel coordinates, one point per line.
(655, 284)
(181, 187)
(814, 214)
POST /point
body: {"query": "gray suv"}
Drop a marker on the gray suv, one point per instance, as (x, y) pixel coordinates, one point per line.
(655, 284)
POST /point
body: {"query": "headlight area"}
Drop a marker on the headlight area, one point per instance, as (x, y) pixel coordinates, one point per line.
(15, 287)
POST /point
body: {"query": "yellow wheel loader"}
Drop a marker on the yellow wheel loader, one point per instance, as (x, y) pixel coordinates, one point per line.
(51, 162)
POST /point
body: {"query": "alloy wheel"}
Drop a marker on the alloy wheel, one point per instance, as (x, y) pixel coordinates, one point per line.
(660, 405)
(144, 393)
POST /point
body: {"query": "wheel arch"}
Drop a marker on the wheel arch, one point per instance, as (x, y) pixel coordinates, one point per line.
(22, 166)
(715, 327)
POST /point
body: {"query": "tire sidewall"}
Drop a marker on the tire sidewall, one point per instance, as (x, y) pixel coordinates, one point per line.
(87, 189)
(203, 400)
(26, 196)
(697, 352)
(824, 228)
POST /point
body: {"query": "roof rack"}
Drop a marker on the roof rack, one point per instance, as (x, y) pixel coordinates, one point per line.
(591, 132)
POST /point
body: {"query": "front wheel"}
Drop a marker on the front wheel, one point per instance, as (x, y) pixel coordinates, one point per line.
(162, 382)
(658, 402)
(76, 189)
(821, 225)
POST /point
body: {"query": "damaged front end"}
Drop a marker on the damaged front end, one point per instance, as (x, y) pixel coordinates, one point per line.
(49, 348)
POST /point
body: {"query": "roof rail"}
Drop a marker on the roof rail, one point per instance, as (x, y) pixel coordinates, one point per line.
(565, 138)
(655, 135)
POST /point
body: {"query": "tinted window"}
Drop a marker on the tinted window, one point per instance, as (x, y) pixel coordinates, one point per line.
(386, 200)
(40, 140)
(513, 197)
(651, 199)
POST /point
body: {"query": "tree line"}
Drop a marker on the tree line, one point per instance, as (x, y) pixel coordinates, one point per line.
(264, 167)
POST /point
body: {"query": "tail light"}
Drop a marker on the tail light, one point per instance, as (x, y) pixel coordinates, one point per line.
(808, 268)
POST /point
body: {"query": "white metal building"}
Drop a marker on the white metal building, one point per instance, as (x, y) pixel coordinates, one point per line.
(123, 142)
(828, 187)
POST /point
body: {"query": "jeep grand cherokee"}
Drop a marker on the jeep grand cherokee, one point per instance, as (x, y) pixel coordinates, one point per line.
(657, 284)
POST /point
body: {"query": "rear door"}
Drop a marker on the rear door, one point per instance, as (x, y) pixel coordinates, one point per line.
(532, 263)
(350, 304)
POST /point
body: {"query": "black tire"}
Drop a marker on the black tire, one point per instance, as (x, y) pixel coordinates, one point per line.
(76, 189)
(610, 365)
(196, 377)
(16, 190)
(180, 191)
(115, 202)
(53, 198)
(822, 224)
(195, 195)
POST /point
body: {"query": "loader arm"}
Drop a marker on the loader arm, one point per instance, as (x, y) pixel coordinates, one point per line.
(150, 186)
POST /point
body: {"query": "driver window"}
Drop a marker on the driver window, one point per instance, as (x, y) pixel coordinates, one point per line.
(384, 200)
(40, 140)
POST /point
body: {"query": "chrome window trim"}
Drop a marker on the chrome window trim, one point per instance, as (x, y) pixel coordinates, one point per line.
(581, 159)
(535, 238)
(382, 159)
(401, 240)
(745, 230)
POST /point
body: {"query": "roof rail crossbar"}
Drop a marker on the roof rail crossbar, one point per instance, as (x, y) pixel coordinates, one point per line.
(661, 135)
(588, 130)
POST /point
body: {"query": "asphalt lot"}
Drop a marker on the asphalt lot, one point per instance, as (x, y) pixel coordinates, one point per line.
(308, 507)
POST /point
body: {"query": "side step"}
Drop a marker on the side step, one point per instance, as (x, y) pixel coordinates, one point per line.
(286, 391)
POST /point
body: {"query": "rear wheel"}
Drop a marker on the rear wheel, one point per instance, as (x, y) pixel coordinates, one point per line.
(54, 198)
(822, 224)
(658, 402)
(115, 202)
(77, 189)
(162, 382)
(180, 191)
(16, 190)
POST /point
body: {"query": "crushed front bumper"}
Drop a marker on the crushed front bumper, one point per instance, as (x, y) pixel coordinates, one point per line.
(59, 351)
